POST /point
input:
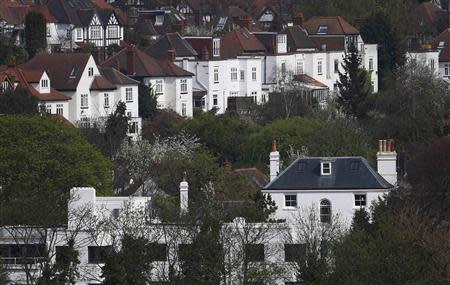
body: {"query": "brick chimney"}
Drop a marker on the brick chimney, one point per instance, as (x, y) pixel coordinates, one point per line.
(298, 19)
(274, 161)
(171, 54)
(387, 160)
(246, 21)
(130, 60)
(95, 55)
(205, 53)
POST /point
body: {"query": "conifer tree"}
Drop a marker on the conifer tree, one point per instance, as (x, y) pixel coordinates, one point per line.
(354, 85)
(35, 33)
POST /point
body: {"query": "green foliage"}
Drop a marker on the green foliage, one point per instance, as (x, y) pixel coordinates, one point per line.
(64, 270)
(9, 52)
(354, 85)
(40, 161)
(224, 135)
(131, 265)
(3, 275)
(413, 108)
(18, 102)
(35, 33)
(378, 29)
(147, 101)
(164, 123)
(116, 129)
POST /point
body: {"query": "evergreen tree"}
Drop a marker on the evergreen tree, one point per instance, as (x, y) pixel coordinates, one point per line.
(147, 101)
(116, 129)
(361, 220)
(354, 85)
(18, 102)
(35, 33)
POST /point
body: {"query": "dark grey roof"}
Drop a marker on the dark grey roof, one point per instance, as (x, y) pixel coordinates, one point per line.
(298, 38)
(171, 41)
(346, 173)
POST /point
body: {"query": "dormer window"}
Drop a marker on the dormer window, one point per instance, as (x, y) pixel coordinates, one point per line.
(322, 30)
(90, 71)
(44, 83)
(325, 168)
(159, 20)
(216, 47)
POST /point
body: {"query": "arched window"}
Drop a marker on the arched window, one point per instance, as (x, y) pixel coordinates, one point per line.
(325, 211)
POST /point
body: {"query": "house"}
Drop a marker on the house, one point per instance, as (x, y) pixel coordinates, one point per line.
(442, 44)
(36, 83)
(199, 11)
(273, 15)
(85, 22)
(332, 184)
(171, 84)
(94, 91)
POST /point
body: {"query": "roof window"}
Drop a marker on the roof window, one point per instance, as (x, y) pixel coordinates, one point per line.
(159, 20)
(322, 30)
(325, 168)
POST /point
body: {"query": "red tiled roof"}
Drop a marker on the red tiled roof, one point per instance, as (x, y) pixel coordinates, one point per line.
(336, 25)
(12, 12)
(33, 75)
(429, 12)
(308, 80)
(145, 65)
(199, 44)
(330, 43)
(240, 42)
(64, 69)
(444, 55)
(43, 9)
(101, 83)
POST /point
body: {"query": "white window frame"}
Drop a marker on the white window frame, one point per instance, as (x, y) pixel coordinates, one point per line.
(359, 200)
(215, 100)
(60, 109)
(159, 20)
(113, 32)
(158, 87)
(129, 94)
(319, 67)
(44, 83)
(79, 34)
(293, 203)
(242, 75)
(183, 86)
(336, 65)
(370, 63)
(233, 73)
(216, 47)
(95, 32)
(300, 68)
(48, 108)
(90, 71)
(106, 100)
(325, 168)
(321, 207)
(183, 109)
(216, 74)
(254, 77)
(84, 101)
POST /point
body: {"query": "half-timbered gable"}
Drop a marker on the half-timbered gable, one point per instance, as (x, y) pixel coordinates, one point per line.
(113, 31)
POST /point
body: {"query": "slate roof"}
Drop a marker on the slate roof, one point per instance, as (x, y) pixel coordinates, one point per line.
(171, 41)
(331, 43)
(199, 44)
(240, 42)
(64, 69)
(346, 173)
(100, 82)
(444, 55)
(336, 25)
(145, 65)
(297, 38)
(116, 77)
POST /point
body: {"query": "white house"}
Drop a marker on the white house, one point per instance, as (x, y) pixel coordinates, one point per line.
(333, 184)
(94, 92)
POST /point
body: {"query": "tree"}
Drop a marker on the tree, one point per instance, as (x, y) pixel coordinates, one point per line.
(40, 161)
(147, 101)
(412, 110)
(314, 240)
(378, 29)
(35, 33)
(18, 102)
(116, 129)
(3, 275)
(10, 53)
(354, 85)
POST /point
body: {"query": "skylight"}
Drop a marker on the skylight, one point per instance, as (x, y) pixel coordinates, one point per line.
(322, 30)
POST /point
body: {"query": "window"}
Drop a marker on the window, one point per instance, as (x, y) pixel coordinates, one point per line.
(79, 34)
(48, 32)
(157, 251)
(447, 70)
(281, 39)
(336, 66)
(59, 109)
(44, 83)
(325, 211)
(216, 74)
(234, 94)
(290, 200)
(21, 253)
(255, 96)
(183, 83)
(115, 213)
(263, 98)
(300, 67)
(69, 33)
(294, 252)
(183, 110)
(48, 109)
(360, 200)
(254, 73)
(106, 100)
(5, 86)
(158, 87)
(215, 100)
(159, 20)
(432, 64)
(242, 75)
(90, 71)
(370, 64)
(233, 74)
(129, 94)
(84, 101)
(325, 168)
(96, 32)
(322, 30)
(185, 251)
(319, 67)
(113, 32)
(62, 254)
(216, 47)
(133, 128)
(254, 252)
(97, 254)
(129, 114)
(283, 68)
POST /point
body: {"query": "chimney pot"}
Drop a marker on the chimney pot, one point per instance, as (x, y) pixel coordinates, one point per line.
(171, 54)
(184, 195)
(274, 161)
(130, 60)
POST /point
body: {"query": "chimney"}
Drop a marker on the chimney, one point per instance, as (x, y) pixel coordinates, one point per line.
(387, 160)
(130, 60)
(274, 161)
(171, 54)
(298, 19)
(184, 198)
(205, 53)
(95, 54)
(246, 21)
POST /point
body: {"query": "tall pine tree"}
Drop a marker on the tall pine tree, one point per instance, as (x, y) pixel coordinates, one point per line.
(35, 33)
(354, 85)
